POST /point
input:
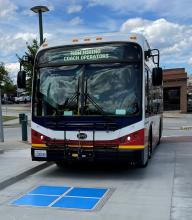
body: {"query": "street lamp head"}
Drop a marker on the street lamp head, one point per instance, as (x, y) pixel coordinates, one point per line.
(38, 9)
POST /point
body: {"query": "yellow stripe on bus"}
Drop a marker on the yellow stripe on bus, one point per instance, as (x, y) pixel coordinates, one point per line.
(121, 147)
(77, 146)
(131, 147)
(38, 145)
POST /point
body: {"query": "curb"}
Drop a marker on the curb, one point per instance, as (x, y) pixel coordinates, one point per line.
(12, 180)
(14, 125)
(11, 125)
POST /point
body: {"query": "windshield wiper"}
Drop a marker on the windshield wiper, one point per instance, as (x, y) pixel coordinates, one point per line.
(71, 99)
(88, 97)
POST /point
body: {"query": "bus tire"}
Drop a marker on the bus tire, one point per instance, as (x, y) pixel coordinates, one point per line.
(160, 133)
(143, 164)
(150, 142)
(145, 158)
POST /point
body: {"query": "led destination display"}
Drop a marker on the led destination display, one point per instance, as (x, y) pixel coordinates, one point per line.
(91, 54)
(86, 54)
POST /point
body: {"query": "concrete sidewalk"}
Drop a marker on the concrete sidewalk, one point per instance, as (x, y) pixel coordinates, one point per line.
(177, 114)
(16, 164)
(11, 123)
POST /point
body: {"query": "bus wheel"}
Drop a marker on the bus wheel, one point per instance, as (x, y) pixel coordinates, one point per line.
(160, 133)
(145, 158)
(150, 147)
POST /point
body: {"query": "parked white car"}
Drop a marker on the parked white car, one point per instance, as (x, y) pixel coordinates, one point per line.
(21, 99)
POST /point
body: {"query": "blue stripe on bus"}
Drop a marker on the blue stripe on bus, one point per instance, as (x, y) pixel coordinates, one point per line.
(98, 123)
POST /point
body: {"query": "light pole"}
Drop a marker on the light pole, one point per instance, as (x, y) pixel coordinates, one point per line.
(1, 120)
(40, 10)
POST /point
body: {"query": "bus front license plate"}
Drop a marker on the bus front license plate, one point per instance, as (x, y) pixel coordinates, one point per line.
(40, 153)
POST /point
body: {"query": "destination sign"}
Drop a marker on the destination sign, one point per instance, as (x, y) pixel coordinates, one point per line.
(86, 54)
(92, 54)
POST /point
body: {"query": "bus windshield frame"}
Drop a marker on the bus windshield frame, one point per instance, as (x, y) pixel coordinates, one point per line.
(82, 94)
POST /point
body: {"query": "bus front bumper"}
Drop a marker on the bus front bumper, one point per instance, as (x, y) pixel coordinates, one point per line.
(88, 154)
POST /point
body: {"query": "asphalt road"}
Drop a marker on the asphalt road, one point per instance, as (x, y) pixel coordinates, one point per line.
(162, 191)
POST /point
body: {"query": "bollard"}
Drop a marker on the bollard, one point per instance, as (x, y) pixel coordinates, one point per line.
(24, 129)
(21, 117)
(26, 118)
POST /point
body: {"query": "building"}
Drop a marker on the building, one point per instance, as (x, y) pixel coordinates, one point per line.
(175, 89)
(189, 85)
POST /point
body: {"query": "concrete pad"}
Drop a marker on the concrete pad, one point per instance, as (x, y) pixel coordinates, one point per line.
(181, 213)
(16, 165)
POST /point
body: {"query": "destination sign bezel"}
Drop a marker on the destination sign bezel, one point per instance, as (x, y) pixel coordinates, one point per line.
(91, 53)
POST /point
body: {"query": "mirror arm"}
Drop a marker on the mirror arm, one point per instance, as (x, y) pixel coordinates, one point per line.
(147, 54)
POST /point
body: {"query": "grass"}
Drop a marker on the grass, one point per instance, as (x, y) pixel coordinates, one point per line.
(8, 118)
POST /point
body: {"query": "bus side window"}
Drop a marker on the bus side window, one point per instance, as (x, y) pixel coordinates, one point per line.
(146, 92)
(151, 93)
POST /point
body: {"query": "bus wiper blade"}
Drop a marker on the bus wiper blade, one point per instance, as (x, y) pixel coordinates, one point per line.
(88, 97)
(73, 97)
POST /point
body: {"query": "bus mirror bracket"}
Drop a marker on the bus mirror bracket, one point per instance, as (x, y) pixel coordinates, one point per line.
(154, 53)
(28, 59)
(157, 76)
(21, 79)
(147, 54)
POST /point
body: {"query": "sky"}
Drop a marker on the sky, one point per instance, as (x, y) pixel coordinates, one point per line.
(167, 25)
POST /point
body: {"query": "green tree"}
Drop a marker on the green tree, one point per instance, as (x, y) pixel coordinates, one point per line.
(3, 73)
(7, 85)
(27, 66)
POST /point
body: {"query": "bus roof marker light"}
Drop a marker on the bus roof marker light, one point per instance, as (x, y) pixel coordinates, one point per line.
(87, 39)
(99, 38)
(75, 40)
(133, 37)
(45, 45)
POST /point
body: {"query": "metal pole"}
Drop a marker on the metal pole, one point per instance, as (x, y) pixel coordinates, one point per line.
(40, 27)
(1, 122)
(39, 10)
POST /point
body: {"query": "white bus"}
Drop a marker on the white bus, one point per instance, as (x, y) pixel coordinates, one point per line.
(96, 98)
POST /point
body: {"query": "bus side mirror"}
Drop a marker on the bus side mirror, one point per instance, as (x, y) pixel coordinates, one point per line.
(21, 80)
(157, 76)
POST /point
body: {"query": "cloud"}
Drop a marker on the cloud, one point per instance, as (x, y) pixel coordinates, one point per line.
(12, 69)
(74, 9)
(75, 21)
(170, 37)
(173, 40)
(25, 36)
(7, 8)
(169, 9)
(10, 44)
(190, 61)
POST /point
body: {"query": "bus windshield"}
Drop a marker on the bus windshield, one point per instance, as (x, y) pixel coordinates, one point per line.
(111, 88)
